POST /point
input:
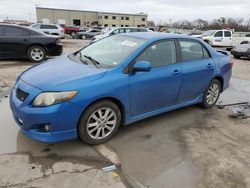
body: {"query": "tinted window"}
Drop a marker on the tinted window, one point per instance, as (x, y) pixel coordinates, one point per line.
(159, 54)
(205, 53)
(1, 30)
(227, 33)
(36, 26)
(48, 27)
(13, 31)
(191, 50)
(142, 30)
(218, 34)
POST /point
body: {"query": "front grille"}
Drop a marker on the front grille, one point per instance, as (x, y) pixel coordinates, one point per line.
(21, 95)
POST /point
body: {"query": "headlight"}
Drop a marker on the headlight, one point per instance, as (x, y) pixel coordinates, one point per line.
(50, 98)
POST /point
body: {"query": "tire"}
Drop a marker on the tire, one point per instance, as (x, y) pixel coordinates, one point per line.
(210, 97)
(73, 34)
(92, 129)
(36, 54)
(237, 56)
(83, 37)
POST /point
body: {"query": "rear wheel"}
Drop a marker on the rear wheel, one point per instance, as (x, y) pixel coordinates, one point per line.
(36, 54)
(99, 122)
(84, 37)
(237, 56)
(212, 93)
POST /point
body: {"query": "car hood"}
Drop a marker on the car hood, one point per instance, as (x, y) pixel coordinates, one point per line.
(61, 74)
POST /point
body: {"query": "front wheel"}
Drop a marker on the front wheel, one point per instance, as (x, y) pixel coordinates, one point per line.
(36, 54)
(212, 93)
(99, 122)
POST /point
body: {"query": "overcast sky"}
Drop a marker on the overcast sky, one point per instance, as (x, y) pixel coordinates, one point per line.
(158, 10)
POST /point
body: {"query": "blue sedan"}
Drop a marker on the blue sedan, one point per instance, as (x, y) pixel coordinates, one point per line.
(117, 81)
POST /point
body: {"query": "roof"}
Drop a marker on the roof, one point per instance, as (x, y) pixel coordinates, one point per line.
(98, 12)
(156, 35)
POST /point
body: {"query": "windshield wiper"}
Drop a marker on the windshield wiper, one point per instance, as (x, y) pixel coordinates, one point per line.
(96, 63)
(81, 59)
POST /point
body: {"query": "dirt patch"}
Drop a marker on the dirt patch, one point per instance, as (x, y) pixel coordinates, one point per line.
(219, 147)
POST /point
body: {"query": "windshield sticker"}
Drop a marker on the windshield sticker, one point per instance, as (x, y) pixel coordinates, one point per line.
(129, 43)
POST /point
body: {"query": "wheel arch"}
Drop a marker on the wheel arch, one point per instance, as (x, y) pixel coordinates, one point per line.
(112, 99)
(221, 80)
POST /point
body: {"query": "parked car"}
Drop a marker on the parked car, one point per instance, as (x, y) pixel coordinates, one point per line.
(89, 34)
(119, 30)
(241, 50)
(218, 38)
(117, 81)
(51, 29)
(83, 29)
(18, 42)
(71, 30)
(195, 33)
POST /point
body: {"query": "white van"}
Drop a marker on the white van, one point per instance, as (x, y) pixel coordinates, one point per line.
(218, 37)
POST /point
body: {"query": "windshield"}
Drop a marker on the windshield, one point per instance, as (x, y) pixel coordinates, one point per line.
(209, 33)
(111, 51)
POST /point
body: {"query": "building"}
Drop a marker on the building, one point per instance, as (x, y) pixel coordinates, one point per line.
(89, 18)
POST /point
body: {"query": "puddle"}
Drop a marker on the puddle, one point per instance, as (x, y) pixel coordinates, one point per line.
(12, 140)
(8, 128)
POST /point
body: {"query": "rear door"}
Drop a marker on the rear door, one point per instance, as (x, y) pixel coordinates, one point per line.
(217, 39)
(197, 69)
(228, 38)
(15, 41)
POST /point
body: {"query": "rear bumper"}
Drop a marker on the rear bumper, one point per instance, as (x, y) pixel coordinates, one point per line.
(55, 50)
(243, 54)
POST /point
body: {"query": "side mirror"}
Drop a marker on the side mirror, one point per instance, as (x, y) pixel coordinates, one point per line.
(142, 66)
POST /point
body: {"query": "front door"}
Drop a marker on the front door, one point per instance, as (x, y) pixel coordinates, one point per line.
(15, 42)
(218, 38)
(159, 87)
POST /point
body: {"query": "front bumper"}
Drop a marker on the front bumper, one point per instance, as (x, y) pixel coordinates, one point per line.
(62, 118)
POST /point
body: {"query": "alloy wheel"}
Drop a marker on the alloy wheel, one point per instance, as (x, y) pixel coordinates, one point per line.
(213, 93)
(37, 54)
(101, 123)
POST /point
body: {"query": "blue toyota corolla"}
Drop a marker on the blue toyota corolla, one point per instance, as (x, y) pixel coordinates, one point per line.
(116, 81)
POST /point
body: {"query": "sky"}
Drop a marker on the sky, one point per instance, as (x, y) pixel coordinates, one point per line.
(160, 11)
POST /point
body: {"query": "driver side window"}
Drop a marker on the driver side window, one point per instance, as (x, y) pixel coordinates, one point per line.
(159, 54)
(218, 34)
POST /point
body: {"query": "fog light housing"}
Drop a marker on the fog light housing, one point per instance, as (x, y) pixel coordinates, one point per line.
(46, 128)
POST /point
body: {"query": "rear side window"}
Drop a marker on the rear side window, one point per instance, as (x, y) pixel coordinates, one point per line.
(227, 34)
(159, 54)
(142, 30)
(48, 27)
(192, 50)
(1, 30)
(218, 34)
(13, 31)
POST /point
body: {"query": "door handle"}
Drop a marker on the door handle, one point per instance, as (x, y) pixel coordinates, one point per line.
(210, 66)
(25, 40)
(176, 72)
